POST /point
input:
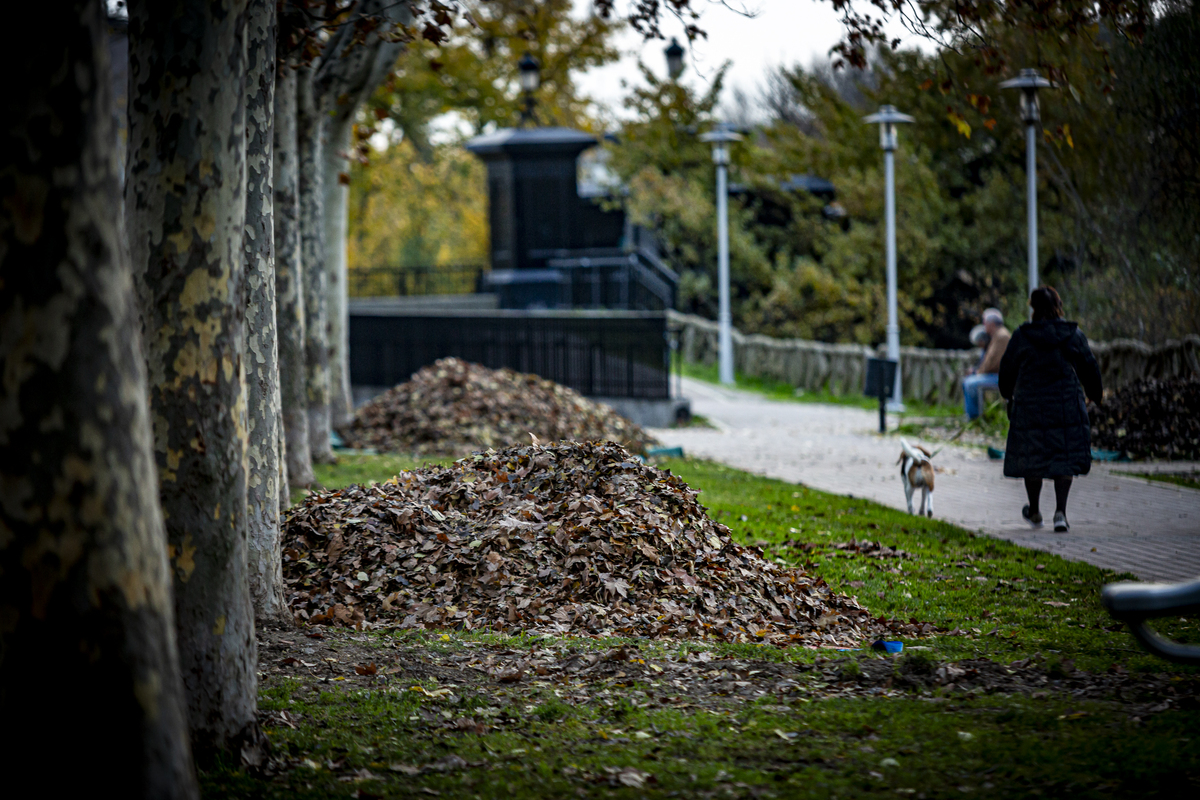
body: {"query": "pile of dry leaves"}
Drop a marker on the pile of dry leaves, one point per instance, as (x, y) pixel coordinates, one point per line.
(1151, 419)
(453, 407)
(566, 538)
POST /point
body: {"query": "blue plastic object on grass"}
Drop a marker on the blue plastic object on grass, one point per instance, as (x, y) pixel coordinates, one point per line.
(664, 452)
(335, 440)
(888, 647)
(995, 452)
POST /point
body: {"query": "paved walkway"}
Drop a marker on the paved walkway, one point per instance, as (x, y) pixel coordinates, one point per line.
(1148, 528)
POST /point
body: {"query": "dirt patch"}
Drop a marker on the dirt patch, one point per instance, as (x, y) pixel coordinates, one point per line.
(580, 673)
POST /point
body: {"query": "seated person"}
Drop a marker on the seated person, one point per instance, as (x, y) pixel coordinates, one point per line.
(988, 371)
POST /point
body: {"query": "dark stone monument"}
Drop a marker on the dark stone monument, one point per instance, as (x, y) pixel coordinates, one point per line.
(534, 205)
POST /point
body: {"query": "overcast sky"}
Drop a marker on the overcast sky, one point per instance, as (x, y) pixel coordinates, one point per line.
(786, 32)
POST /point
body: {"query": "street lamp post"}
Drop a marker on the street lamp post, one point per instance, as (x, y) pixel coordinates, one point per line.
(1029, 82)
(530, 79)
(720, 137)
(674, 54)
(888, 117)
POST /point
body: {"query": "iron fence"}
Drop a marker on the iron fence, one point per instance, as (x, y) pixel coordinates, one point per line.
(598, 354)
(415, 281)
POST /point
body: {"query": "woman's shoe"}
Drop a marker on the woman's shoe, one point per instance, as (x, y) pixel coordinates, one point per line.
(1034, 520)
(1060, 522)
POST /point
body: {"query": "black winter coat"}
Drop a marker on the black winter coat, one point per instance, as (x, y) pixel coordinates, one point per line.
(1044, 373)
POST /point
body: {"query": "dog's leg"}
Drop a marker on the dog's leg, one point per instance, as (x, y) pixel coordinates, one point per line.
(928, 502)
(908, 493)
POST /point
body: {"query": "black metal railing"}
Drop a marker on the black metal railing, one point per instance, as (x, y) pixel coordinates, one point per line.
(599, 354)
(415, 281)
(615, 278)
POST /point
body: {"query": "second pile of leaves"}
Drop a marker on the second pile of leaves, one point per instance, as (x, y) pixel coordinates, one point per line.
(1150, 418)
(452, 407)
(563, 539)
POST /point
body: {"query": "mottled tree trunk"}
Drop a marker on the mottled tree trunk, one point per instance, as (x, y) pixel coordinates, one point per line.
(186, 207)
(349, 72)
(262, 362)
(310, 125)
(90, 694)
(289, 285)
(337, 204)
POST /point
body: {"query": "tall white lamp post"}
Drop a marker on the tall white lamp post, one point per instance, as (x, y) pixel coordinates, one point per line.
(888, 117)
(1029, 82)
(720, 137)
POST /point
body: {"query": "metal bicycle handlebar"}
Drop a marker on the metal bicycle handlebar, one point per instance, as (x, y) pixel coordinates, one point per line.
(1135, 603)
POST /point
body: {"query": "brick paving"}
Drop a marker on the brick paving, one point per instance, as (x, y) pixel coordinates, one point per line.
(1150, 529)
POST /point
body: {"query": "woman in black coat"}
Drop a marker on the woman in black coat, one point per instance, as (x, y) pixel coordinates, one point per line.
(1045, 372)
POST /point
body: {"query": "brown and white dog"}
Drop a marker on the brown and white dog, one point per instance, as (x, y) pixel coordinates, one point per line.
(916, 472)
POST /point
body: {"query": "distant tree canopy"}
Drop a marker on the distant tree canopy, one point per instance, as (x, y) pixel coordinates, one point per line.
(474, 72)
(1118, 168)
(1118, 218)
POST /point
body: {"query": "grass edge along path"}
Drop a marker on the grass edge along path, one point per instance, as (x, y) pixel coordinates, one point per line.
(1188, 480)
(407, 735)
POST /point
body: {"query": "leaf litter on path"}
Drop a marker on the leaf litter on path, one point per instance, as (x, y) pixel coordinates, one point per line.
(453, 407)
(561, 539)
(1150, 418)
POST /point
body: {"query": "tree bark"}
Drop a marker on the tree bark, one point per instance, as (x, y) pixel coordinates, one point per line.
(262, 365)
(186, 207)
(309, 130)
(289, 285)
(90, 693)
(337, 206)
(347, 75)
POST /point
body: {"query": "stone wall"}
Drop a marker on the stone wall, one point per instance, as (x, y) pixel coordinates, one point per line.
(929, 375)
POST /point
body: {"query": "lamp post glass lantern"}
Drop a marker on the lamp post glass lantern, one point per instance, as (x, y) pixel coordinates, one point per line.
(888, 118)
(530, 78)
(720, 137)
(1029, 82)
(674, 54)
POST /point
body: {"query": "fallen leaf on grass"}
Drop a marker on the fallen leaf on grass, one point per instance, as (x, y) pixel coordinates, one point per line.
(405, 769)
(366, 669)
(1074, 715)
(630, 776)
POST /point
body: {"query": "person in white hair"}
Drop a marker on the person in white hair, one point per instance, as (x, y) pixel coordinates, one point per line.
(988, 371)
(980, 339)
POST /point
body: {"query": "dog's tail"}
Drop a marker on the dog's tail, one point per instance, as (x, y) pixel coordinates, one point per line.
(916, 455)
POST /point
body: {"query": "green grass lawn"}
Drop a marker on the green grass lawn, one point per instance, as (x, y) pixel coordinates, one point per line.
(440, 728)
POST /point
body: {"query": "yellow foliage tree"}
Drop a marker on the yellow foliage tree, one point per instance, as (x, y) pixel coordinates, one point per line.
(406, 211)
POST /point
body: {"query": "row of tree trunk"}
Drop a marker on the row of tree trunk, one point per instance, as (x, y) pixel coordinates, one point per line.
(172, 356)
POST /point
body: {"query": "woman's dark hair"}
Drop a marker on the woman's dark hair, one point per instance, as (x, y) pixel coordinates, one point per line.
(1046, 304)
